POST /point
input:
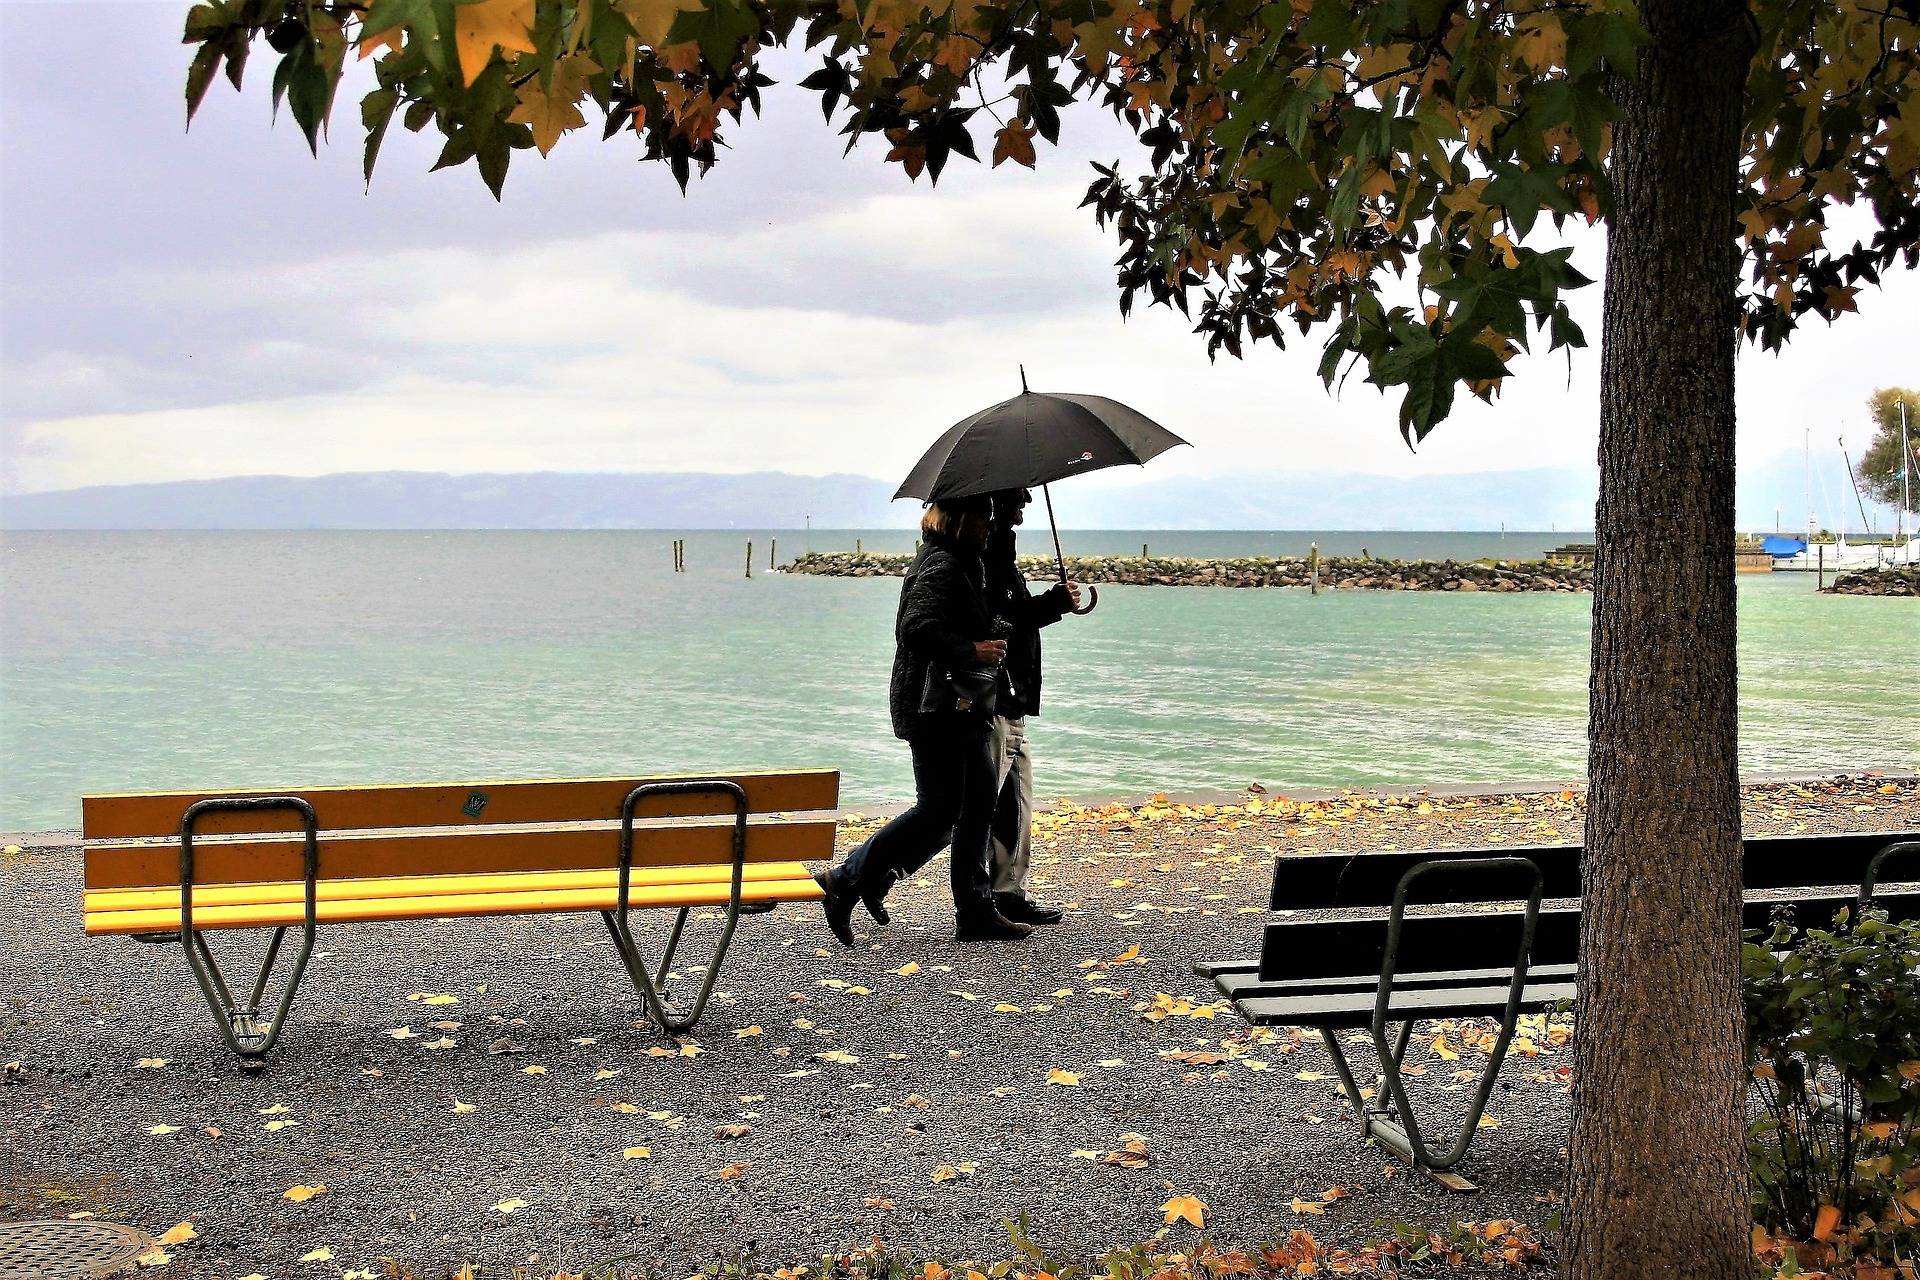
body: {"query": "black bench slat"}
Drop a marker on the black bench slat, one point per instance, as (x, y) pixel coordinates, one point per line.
(1293, 950)
(1355, 1008)
(1250, 986)
(1320, 881)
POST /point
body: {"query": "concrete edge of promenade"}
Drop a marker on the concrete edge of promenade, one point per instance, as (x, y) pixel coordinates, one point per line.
(67, 838)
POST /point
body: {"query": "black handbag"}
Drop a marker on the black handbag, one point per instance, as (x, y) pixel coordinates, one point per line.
(970, 691)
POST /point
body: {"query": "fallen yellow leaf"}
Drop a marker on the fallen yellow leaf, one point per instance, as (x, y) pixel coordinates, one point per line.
(180, 1234)
(297, 1194)
(1188, 1209)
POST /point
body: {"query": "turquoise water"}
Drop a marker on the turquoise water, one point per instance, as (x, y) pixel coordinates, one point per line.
(156, 660)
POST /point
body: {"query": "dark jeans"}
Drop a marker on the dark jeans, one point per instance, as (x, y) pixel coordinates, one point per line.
(954, 772)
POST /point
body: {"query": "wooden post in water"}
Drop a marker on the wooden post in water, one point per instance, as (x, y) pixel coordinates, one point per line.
(1313, 568)
(1143, 552)
(749, 559)
(856, 546)
(1820, 583)
(773, 553)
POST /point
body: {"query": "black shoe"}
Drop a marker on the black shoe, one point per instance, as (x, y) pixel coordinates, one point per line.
(839, 908)
(1021, 909)
(990, 926)
(873, 896)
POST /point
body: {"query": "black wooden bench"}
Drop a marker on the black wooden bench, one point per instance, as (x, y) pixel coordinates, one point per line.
(1491, 931)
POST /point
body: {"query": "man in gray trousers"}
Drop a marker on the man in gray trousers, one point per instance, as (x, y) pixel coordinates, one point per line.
(1009, 597)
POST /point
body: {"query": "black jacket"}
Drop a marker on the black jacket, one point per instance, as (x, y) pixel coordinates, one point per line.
(1009, 597)
(942, 613)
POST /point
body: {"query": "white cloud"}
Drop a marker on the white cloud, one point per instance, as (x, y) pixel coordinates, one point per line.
(840, 340)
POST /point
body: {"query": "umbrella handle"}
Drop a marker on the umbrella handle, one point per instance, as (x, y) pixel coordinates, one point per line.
(1093, 592)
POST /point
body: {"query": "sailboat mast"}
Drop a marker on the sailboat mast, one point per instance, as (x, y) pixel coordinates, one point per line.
(1806, 480)
(1906, 473)
(1858, 501)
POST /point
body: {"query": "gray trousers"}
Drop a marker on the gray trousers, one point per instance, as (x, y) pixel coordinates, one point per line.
(1011, 854)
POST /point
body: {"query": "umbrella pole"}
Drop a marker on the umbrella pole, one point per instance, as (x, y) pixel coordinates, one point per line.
(1093, 597)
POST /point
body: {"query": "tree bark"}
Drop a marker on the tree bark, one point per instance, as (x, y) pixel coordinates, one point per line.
(1658, 1181)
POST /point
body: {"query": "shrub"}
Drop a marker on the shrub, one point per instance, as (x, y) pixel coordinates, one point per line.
(1833, 1043)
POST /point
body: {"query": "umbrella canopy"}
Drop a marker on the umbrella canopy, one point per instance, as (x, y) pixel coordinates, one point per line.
(1032, 440)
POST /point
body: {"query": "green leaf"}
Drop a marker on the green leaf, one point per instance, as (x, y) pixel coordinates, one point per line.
(720, 29)
(376, 113)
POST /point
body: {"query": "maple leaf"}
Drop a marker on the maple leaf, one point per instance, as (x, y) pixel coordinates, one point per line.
(180, 1234)
(651, 20)
(298, 1194)
(1188, 1209)
(731, 1171)
(555, 109)
(1057, 1076)
(1015, 143)
(485, 25)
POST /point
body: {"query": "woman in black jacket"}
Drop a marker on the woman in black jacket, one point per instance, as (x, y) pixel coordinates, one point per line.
(946, 657)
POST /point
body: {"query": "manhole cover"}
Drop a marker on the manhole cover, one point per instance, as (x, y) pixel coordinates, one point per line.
(61, 1250)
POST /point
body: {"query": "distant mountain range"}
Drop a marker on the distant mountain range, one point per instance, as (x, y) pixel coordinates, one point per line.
(1558, 498)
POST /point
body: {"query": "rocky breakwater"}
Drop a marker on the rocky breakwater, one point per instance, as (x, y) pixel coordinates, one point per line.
(1878, 582)
(1260, 571)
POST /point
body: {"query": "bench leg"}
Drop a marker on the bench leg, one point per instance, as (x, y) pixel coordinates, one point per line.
(240, 1025)
(652, 987)
(1377, 1120)
(651, 984)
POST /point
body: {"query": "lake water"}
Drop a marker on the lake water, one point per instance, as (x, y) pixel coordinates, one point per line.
(173, 660)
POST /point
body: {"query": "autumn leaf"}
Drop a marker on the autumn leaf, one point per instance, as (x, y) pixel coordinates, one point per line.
(652, 20)
(1825, 1221)
(1057, 1076)
(733, 1131)
(179, 1234)
(732, 1171)
(509, 1206)
(484, 25)
(637, 1153)
(553, 109)
(1014, 142)
(1309, 1206)
(162, 1129)
(303, 1193)
(1187, 1209)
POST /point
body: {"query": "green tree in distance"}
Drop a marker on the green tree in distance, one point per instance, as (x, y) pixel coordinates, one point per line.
(1379, 172)
(1880, 469)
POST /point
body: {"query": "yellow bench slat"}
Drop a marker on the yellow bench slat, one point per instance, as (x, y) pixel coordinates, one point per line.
(454, 804)
(232, 895)
(521, 902)
(483, 852)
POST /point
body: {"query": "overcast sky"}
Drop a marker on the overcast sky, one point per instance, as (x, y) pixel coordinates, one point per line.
(181, 305)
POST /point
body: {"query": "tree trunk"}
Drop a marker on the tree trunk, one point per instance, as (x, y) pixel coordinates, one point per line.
(1658, 1180)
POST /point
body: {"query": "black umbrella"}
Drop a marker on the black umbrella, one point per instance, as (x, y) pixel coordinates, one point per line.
(1034, 439)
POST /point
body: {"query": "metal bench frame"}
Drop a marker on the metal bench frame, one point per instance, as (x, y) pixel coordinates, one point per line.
(651, 985)
(1389, 1118)
(240, 1024)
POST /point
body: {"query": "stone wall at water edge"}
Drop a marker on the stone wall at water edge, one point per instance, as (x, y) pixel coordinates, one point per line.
(1183, 571)
(1878, 582)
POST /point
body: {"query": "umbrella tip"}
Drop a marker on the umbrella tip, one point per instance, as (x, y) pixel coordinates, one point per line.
(1023, 380)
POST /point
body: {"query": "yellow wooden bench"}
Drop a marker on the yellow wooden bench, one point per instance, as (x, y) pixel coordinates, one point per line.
(186, 863)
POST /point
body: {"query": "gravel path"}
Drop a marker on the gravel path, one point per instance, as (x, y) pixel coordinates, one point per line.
(482, 1091)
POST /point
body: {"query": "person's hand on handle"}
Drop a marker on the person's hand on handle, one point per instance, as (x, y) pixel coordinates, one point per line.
(1073, 594)
(990, 653)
